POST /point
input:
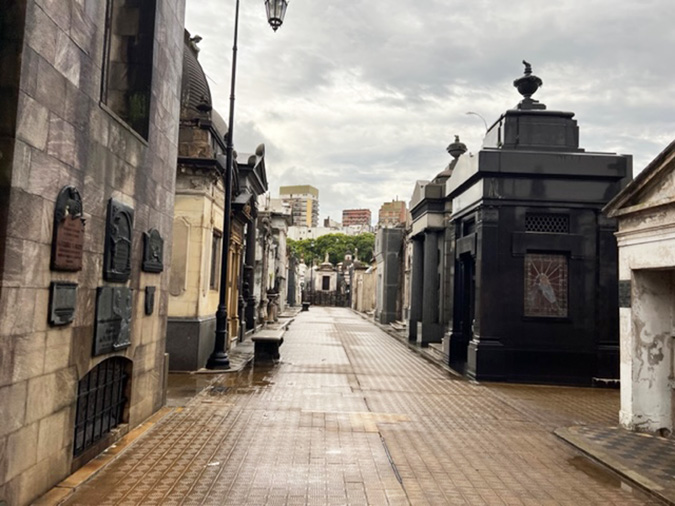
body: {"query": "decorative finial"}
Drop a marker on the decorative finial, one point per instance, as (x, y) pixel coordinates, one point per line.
(194, 41)
(457, 148)
(527, 86)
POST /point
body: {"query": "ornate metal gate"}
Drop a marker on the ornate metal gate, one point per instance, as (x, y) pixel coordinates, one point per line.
(101, 398)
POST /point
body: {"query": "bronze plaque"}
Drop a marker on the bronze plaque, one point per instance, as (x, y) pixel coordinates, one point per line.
(68, 238)
(546, 282)
(119, 232)
(153, 251)
(62, 302)
(113, 319)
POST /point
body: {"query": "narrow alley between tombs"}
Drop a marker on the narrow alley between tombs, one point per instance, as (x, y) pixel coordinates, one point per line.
(351, 415)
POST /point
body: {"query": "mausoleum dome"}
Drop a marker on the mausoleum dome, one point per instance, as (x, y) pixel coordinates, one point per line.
(196, 102)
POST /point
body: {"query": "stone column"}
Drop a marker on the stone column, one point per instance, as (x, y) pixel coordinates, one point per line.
(249, 276)
(416, 287)
(431, 329)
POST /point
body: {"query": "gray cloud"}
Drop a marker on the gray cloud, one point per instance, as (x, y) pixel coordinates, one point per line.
(360, 98)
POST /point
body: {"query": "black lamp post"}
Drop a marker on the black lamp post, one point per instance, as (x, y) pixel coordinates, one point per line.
(276, 10)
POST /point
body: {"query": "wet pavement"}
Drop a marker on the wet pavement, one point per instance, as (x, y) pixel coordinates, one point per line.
(352, 416)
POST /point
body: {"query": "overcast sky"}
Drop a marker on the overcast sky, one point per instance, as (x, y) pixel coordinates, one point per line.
(361, 97)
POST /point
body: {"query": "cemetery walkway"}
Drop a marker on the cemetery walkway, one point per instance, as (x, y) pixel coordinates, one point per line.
(352, 416)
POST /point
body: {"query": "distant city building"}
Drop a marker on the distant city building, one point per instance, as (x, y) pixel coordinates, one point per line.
(329, 223)
(392, 214)
(356, 217)
(304, 202)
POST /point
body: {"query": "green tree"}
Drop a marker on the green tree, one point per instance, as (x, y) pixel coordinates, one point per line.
(336, 245)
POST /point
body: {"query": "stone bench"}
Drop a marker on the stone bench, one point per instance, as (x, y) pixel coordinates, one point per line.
(266, 343)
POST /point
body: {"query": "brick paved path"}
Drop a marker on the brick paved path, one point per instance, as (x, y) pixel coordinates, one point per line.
(352, 416)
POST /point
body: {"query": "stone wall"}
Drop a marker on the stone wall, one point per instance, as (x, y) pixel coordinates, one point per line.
(64, 136)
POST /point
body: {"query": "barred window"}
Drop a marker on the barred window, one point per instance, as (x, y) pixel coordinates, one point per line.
(547, 223)
(101, 399)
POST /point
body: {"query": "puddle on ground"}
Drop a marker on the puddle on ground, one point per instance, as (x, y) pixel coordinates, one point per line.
(599, 473)
(182, 387)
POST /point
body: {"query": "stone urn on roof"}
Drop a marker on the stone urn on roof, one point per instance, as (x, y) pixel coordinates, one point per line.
(527, 85)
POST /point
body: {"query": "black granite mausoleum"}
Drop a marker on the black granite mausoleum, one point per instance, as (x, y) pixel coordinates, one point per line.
(535, 278)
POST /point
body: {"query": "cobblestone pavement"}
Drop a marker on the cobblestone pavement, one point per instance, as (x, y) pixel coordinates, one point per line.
(352, 416)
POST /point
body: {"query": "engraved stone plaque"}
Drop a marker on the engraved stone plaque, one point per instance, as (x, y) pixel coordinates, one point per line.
(119, 231)
(62, 302)
(153, 251)
(113, 319)
(150, 299)
(68, 237)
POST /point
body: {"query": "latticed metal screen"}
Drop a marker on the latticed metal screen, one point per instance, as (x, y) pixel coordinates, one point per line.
(547, 223)
(100, 402)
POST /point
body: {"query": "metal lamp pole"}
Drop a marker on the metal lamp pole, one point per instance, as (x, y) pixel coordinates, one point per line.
(276, 10)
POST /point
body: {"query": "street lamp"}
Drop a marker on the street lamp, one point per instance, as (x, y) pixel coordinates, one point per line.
(276, 10)
(481, 117)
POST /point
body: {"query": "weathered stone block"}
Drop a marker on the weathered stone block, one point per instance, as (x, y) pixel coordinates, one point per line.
(29, 77)
(53, 434)
(41, 318)
(62, 141)
(49, 393)
(67, 58)
(41, 477)
(78, 111)
(21, 451)
(23, 207)
(83, 28)
(57, 351)
(13, 402)
(16, 307)
(42, 34)
(32, 123)
(51, 86)
(46, 176)
(58, 11)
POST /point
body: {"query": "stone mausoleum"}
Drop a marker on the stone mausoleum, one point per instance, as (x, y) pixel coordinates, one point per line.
(645, 210)
(88, 144)
(535, 284)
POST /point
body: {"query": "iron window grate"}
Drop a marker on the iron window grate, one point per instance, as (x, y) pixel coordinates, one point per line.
(547, 223)
(100, 403)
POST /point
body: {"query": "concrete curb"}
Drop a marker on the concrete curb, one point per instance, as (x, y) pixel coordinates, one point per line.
(571, 436)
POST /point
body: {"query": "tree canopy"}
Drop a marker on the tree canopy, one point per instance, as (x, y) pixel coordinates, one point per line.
(337, 245)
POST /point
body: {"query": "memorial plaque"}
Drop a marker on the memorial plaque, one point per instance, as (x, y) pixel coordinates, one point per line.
(153, 251)
(68, 236)
(113, 319)
(119, 230)
(62, 302)
(150, 299)
(624, 293)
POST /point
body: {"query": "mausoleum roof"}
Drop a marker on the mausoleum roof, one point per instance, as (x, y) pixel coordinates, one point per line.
(196, 102)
